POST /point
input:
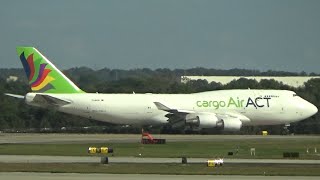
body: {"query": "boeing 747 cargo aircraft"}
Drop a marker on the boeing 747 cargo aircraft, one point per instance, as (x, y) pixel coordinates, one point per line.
(224, 109)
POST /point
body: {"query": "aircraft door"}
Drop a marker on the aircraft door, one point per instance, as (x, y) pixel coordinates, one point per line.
(97, 107)
(87, 110)
(149, 109)
(82, 109)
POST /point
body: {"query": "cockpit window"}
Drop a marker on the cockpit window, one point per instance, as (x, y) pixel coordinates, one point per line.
(294, 95)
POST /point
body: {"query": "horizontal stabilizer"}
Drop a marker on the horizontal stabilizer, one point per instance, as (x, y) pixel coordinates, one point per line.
(14, 95)
(50, 100)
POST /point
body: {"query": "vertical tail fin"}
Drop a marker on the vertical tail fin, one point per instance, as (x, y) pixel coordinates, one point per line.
(43, 76)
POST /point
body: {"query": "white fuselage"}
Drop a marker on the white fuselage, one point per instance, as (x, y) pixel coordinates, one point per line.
(261, 107)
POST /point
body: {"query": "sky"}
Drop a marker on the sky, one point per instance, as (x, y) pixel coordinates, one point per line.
(282, 35)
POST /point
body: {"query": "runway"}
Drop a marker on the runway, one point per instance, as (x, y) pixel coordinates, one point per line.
(76, 176)
(95, 159)
(30, 138)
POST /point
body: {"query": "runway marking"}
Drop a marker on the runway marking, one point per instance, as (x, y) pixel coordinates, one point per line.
(95, 159)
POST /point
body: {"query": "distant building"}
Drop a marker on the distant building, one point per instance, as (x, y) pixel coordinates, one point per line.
(12, 79)
(294, 81)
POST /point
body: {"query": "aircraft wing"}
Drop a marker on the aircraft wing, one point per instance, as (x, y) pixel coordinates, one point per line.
(163, 107)
(177, 115)
(174, 115)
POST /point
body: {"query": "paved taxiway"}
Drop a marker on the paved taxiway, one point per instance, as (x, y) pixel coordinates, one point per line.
(95, 159)
(28, 138)
(76, 176)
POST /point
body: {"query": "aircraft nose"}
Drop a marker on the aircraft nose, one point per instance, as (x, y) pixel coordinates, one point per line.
(309, 109)
(313, 109)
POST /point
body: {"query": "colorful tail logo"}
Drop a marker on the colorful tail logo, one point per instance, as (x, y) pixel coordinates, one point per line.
(39, 77)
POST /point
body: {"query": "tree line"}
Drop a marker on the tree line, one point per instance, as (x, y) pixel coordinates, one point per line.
(17, 116)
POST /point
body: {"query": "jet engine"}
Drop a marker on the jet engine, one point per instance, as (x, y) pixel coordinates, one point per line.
(230, 124)
(205, 120)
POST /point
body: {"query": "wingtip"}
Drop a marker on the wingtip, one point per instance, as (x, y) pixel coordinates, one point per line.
(161, 106)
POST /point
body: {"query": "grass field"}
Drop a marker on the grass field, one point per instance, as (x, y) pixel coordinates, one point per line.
(192, 169)
(265, 148)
